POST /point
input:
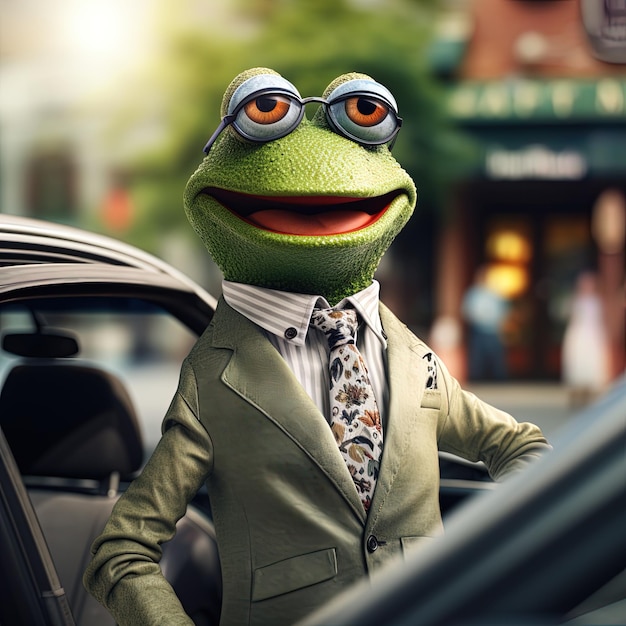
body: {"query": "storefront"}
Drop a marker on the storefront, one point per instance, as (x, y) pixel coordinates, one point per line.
(547, 151)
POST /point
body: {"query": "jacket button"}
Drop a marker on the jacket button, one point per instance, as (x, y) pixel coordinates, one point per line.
(291, 333)
(372, 544)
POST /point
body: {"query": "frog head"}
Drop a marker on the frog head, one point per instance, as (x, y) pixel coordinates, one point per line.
(297, 204)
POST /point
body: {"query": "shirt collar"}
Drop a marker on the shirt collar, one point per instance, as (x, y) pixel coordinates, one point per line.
(287, 314)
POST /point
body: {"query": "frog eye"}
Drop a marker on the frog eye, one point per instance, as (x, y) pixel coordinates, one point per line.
(265, 107)
(268, 115)
(364, 111)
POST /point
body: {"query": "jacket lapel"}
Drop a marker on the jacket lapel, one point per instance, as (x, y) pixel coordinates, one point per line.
(406, 378)
(260, 376)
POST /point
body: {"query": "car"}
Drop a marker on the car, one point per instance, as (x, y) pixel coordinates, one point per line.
(93, 335)
(547, 547)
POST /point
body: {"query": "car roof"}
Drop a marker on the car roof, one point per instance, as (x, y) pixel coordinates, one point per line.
(75, 252)
(41, 259)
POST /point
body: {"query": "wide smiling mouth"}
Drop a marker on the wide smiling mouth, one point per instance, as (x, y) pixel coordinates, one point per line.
(304, 215)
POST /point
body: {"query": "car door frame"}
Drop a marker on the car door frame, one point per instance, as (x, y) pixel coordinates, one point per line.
(31, 592)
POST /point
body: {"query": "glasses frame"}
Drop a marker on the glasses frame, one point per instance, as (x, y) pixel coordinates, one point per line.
(231, 118)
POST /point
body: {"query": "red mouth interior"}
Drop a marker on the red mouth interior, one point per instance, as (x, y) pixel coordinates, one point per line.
(304, 215)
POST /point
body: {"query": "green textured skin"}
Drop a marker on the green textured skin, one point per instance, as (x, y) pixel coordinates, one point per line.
(311, 161)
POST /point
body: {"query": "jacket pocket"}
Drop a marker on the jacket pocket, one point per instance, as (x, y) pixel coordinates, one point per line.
(294, 573)
(431, 399)
(413, 544)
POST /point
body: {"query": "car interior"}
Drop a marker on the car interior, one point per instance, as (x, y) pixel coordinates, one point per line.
(75, 436)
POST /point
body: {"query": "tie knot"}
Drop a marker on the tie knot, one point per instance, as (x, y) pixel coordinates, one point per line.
(338, 326)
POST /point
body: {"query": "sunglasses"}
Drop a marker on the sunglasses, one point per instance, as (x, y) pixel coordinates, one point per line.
(360, 110)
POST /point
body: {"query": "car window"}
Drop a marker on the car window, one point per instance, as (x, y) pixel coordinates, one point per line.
(139, 341)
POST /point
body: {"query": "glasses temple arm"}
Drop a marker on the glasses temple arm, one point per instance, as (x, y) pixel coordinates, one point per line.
(226, 120)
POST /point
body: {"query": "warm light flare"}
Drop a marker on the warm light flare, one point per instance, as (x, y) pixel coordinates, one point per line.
(101, 30)
(509, 281)
(508, 245)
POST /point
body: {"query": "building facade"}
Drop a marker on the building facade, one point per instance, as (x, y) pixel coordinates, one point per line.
(544, 201)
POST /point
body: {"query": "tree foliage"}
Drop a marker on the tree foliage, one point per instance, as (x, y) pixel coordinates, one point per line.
(310, 42)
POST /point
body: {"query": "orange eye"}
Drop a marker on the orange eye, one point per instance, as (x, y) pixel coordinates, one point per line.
(365, 112)
(267, 109)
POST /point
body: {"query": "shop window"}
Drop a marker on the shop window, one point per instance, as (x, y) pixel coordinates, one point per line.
(567, 250)
(508, 249)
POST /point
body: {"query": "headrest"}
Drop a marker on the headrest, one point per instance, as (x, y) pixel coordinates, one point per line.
(69, 420)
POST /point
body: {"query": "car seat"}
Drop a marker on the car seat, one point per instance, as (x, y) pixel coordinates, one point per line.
(74, 434)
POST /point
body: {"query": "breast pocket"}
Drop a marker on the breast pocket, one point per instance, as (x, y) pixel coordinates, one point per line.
(431, 399)
(294, 573)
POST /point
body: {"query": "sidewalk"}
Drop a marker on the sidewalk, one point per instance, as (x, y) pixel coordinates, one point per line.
(545, 404)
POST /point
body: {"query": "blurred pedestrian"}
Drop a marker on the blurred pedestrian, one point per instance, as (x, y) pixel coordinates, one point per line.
(485, 311)
(585, 359)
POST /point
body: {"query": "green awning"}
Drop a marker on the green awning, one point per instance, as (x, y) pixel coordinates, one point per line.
(553, 153)
(520, 100)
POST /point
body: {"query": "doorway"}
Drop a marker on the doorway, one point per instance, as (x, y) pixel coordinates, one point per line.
(534, 242)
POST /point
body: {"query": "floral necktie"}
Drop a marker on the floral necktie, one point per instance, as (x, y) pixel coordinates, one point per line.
(354, 416)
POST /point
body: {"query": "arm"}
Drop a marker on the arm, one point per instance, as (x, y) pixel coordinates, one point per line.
(478, 431)
(124, 573)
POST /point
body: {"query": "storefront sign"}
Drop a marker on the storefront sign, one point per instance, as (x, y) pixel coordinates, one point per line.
(526, 99)
(534, 162)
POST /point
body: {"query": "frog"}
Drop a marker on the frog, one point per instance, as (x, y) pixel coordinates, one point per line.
(298, 204)
(298, 212)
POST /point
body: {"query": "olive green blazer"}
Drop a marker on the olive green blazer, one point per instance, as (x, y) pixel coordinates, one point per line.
(291, 529)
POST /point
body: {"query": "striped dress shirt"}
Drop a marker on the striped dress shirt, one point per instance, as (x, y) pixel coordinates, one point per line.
(284, 318)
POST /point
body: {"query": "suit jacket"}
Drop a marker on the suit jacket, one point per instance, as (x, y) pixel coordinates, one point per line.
(291, 529)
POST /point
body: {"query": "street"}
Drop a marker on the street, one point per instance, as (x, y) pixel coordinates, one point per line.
(544, 404)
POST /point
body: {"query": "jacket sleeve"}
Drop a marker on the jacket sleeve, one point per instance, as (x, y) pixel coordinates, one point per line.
(124, 573)
(477, 431)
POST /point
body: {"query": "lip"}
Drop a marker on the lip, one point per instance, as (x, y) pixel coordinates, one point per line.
(304, 215)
